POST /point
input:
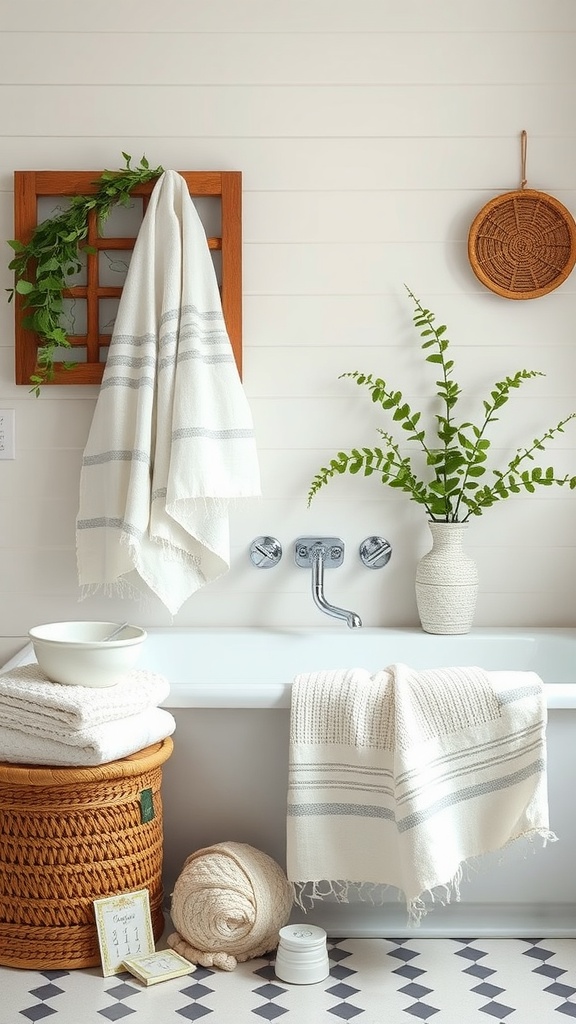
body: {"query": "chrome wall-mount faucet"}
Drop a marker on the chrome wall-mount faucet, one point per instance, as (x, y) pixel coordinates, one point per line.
(317, 554)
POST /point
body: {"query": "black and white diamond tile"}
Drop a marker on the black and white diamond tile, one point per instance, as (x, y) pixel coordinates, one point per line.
(372, 981)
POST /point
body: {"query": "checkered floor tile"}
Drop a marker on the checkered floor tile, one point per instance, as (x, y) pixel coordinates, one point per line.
(372, 981)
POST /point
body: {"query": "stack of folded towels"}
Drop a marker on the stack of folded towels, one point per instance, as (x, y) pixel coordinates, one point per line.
(42, 722)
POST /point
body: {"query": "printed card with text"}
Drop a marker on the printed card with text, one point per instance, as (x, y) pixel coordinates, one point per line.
(124, 928)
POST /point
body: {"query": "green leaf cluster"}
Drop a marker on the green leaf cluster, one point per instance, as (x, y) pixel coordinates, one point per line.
(43, 266)
(457, 453)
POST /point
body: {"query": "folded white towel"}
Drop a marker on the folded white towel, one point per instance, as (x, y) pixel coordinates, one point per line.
(86, 747)
(171, 444)
(29, 701)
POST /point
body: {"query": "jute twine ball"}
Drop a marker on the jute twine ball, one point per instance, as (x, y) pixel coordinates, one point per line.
(228, 905)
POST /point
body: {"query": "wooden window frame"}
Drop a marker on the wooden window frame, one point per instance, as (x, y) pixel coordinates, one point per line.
(30, 186)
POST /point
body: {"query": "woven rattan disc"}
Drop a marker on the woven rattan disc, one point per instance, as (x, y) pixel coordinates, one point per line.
(522, 244)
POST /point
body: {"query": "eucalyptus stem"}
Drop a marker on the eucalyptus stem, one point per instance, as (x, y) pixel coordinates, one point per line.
(456, 454)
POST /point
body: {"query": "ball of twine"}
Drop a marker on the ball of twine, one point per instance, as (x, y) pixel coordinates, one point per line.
(228, 905)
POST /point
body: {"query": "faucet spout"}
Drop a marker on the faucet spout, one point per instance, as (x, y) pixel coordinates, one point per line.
(318, 555)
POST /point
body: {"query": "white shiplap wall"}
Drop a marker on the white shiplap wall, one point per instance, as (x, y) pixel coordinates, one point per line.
(369, 135)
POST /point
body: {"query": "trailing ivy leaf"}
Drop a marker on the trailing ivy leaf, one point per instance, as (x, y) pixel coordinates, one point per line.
(24, 287)
(43, 265)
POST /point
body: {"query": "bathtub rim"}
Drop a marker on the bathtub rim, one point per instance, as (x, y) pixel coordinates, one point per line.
(227, 694)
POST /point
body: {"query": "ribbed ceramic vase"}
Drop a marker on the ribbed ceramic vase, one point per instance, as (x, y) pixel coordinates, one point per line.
(447, 582)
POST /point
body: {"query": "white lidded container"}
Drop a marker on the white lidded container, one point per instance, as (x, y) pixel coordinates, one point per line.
(302, 955)
(77, 653)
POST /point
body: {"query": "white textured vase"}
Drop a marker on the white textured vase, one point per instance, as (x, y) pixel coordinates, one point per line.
(446, 582)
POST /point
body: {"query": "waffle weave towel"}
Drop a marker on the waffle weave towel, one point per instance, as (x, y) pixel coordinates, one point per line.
(29, 701)
(400, 778)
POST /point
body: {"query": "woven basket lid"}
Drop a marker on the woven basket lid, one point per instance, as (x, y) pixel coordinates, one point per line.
(522, 244)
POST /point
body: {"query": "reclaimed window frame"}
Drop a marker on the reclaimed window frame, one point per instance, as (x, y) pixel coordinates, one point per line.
(30, 186)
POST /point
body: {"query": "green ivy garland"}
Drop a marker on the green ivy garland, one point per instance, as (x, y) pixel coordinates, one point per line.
(42, 266)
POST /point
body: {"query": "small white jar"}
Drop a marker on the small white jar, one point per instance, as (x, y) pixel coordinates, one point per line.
(302, 955)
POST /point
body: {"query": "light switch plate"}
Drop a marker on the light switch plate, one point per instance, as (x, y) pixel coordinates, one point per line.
(7, 439)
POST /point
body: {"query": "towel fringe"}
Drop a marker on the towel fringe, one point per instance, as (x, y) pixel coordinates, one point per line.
(121, 588)
(306, 894)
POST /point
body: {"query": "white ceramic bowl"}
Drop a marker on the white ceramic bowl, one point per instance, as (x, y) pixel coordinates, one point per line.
(77, 654)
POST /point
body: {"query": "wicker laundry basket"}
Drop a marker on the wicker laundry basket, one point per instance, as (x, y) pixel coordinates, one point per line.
(69, 836)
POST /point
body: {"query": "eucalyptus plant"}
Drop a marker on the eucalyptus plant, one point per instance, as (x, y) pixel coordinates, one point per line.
(43, 265)
(456, 452)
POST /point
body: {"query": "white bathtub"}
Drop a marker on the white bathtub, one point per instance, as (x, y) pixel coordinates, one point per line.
(230, 695)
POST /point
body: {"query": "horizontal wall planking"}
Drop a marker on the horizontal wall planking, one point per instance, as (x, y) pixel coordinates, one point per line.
(53, 570)
(368, 216)
(333, 423)
(464, 161)
(269, 111)
(291, 16)
(36, 474)
(306, 371)
(379, 603)
(42, 521)
(513, 608)
(204, 609)
(59, 418)
(314, 423)
(352, 268)
(386, 317)
(46, 571)
(514, 523)
(230, 58)
(426, 215)
(287, 474)
(349, 506)
(518, 609)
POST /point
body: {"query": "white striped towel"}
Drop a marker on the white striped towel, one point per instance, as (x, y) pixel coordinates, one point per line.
(171, 444)
(401, 777)
(30, 702)
(86, 747)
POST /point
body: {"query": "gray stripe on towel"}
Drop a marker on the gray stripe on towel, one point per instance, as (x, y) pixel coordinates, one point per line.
(470, 793)
(183, 433)
(509, 696)
(128, 382)
(117, 455)
(356, 810)
(109, 523)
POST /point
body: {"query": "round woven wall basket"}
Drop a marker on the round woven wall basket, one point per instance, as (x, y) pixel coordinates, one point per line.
(522, 244)
(70, 836)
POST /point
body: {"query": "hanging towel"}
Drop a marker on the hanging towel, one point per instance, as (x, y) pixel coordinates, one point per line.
(401, 777)
(29, 701)
(171, 444)
(96, 745)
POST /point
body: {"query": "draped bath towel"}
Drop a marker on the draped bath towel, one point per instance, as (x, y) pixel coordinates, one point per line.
(30, 702)
(401, 777)
(171, 444)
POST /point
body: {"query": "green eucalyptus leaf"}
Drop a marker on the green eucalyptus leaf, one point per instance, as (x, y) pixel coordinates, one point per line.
(455, 455)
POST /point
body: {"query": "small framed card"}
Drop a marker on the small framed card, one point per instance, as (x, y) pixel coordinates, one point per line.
(124, 927)
(160, 966)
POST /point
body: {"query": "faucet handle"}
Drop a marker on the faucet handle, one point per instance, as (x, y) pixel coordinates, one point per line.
(265, 552)
(375, 552)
